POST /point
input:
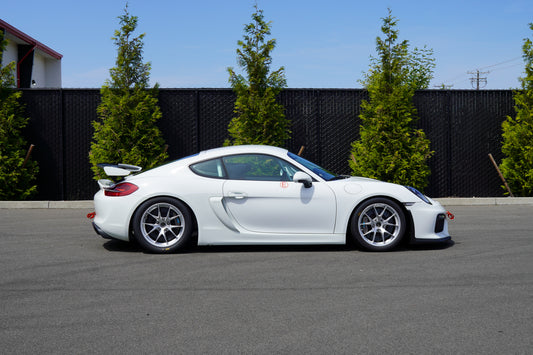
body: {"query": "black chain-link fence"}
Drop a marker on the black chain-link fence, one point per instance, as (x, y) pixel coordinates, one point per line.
(464, 126)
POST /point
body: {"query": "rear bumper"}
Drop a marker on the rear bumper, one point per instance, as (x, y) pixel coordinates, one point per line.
(111, 218)
(100, 232)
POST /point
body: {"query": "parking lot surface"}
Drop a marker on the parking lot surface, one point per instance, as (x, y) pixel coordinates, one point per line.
(65, 290)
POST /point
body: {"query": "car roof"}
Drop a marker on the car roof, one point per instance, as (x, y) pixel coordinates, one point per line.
(214, 153)
(242, 149)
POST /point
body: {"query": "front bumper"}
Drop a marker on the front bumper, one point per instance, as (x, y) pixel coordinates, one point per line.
(429, 222)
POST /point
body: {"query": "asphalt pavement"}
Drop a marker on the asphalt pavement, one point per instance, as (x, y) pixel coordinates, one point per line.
(64, 290)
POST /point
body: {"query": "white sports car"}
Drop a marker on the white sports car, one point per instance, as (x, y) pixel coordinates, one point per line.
(259, 195)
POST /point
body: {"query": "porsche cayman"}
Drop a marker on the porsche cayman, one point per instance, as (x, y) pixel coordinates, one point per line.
(259, 195)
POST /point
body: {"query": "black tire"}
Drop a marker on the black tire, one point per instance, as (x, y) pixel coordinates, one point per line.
(162, 225)
(378, 224)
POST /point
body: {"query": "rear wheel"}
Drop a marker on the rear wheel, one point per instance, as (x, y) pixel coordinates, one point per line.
(378, 224)
(162, 225)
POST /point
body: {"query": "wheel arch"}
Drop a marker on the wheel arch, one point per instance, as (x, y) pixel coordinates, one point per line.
(409, 232)
(141, 202)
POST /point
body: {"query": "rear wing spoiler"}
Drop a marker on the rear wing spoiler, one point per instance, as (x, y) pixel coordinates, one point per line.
(119, 169)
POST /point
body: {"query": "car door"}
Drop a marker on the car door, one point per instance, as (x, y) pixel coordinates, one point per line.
(261, 197)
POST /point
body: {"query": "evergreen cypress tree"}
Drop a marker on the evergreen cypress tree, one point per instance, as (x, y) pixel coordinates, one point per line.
(127, 132)
(389, 148)
(17, 179)
(517, 166)
(260, 119)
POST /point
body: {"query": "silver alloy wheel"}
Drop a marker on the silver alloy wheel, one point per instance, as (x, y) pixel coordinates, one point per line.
(162, 225)
(379, 224)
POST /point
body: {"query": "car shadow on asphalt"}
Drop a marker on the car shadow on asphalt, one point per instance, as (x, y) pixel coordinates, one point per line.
(120, 246)
(426, 246)
(125, 247)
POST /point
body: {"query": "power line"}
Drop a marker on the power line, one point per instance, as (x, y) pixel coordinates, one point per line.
(507, 67)
(479, 82)
(504, 62)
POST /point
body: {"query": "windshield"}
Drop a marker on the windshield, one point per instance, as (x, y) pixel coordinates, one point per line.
(323, 173)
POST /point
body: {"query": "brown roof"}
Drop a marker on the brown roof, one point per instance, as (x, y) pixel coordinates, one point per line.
(24, 37)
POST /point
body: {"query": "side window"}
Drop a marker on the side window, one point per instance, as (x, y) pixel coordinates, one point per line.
(210, 168)
(258, 167)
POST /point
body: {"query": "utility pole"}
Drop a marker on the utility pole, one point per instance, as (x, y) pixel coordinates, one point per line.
(443, 86)
(477, 78)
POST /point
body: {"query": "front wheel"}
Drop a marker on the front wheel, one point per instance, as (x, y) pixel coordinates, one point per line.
(378, 224)
(162, 225)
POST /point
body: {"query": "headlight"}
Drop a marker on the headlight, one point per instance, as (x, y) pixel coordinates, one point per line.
(419, 194)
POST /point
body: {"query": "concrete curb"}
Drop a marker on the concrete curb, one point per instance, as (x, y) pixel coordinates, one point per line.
(46, 204)
(448, 201)
(485, 201)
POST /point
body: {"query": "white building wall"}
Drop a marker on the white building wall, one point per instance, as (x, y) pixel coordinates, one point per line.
(38, 79)
(10, 55)
(53, 73)
(46, 71)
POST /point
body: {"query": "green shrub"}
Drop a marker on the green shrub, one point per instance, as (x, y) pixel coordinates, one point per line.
(127, 131)
(389, 147)
(17, 177)
(260, 118)
(517, 166)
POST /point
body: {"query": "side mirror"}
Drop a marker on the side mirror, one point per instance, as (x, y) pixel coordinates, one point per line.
(303, 178)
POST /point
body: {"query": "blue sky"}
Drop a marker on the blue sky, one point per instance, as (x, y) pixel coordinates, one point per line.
(321, 44)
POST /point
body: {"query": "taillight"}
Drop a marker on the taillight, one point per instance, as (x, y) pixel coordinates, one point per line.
(121, 189)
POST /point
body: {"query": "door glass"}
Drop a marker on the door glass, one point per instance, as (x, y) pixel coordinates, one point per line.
(258, 167)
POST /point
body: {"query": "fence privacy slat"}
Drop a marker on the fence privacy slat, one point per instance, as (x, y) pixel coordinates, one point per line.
(462, 125)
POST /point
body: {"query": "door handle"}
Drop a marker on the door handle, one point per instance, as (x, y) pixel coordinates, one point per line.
(237, 195)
